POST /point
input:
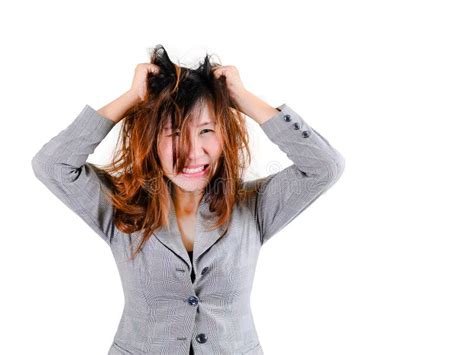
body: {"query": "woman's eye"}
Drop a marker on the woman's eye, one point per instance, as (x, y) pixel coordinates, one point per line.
(177, 132)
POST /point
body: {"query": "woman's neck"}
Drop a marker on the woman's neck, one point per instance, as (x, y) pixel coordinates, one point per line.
(186, 203)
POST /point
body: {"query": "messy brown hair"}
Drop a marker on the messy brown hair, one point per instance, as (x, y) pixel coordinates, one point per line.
(140, 192)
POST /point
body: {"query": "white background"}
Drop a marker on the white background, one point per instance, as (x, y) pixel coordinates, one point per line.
(388, 249)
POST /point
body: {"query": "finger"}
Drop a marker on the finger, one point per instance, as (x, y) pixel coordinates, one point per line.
(154, 68)
(219, 69)
(219, 72)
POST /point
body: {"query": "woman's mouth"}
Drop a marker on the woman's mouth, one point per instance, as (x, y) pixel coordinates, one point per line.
(195, 172)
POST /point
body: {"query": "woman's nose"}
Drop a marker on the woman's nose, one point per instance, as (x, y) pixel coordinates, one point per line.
(196, 150)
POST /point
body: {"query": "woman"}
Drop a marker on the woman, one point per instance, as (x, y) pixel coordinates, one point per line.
(184, 228)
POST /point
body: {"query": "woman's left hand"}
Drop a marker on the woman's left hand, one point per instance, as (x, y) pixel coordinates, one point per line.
(234, 83)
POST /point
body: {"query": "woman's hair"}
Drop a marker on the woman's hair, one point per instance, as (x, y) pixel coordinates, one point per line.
(139, 190)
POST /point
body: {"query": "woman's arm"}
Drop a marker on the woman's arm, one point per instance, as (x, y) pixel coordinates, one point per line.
(282, 196)
(115, 110)
(61, 165)
(255, 108)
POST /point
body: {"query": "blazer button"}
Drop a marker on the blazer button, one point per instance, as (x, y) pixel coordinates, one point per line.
(204, 270)
(201, 338)
(305, 134)
(287, 118)
(193, 300)
(296, 125)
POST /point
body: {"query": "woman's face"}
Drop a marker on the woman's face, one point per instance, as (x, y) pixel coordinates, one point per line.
(205, 150)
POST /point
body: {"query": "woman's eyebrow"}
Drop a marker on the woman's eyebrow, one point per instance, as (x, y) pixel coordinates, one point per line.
(168, 126)
(205, 123)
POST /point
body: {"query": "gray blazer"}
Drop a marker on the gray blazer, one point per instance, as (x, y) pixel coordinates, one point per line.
(164, 312)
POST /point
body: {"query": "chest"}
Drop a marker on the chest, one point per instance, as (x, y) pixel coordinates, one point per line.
(161, 272)
(187, 228)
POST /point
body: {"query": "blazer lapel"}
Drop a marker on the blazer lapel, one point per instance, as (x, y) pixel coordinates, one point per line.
(204, 239)
(171, 238)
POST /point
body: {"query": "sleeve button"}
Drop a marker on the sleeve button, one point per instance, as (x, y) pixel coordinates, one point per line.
(305, 134)
(296, 125)
(287, 118)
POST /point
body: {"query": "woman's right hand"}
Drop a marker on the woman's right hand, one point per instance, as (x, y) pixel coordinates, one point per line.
(139, 83)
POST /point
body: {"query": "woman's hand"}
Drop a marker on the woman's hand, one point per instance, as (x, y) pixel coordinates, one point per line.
(139, 83)
(249, 104)
(234, 84)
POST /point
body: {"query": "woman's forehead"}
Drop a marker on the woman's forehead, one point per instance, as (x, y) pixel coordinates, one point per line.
(199, 117)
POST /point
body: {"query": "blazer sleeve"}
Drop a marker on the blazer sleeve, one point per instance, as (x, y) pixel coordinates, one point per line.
(61, 166)
(282, 196)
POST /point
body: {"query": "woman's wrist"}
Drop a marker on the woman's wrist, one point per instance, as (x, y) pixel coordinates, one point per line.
(133, 97)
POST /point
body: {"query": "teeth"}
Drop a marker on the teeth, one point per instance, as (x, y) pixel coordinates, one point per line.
(192, 171)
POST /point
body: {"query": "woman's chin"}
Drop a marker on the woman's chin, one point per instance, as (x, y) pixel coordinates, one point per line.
(190, 186)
